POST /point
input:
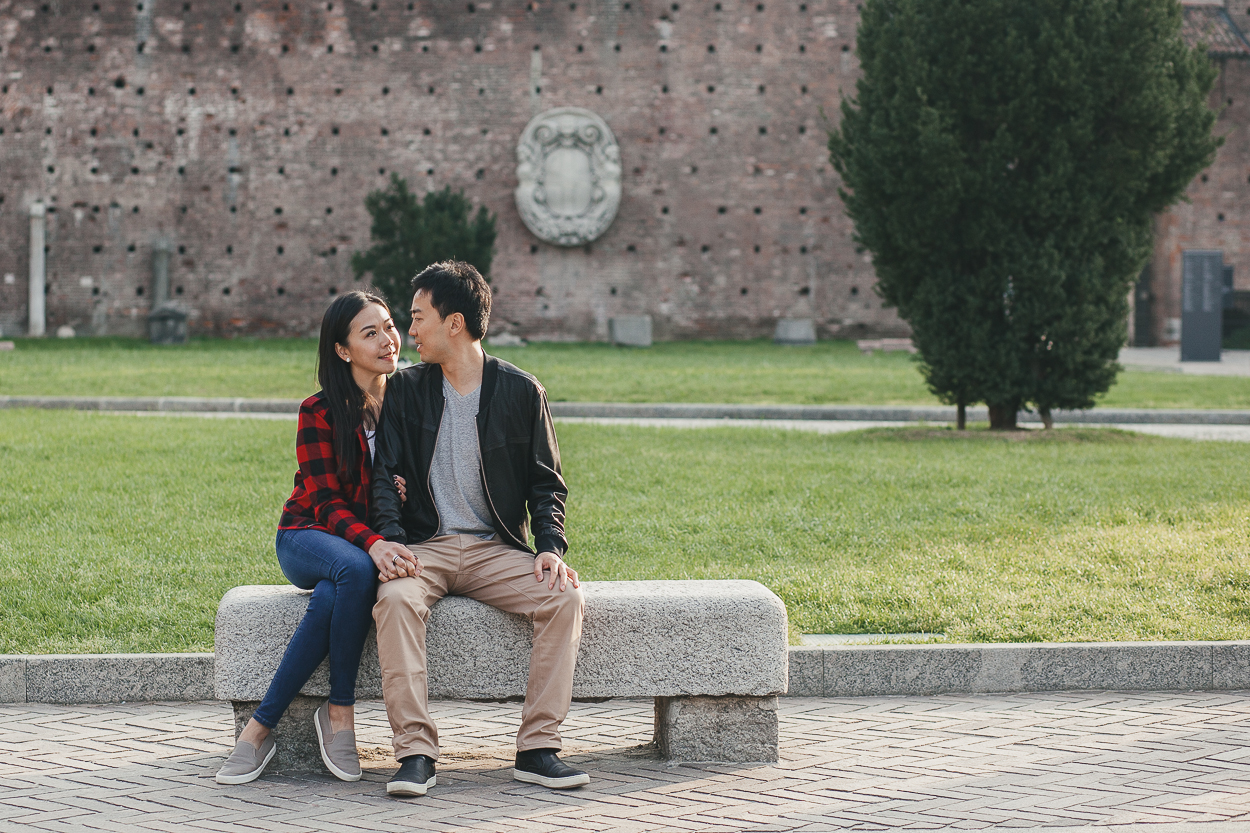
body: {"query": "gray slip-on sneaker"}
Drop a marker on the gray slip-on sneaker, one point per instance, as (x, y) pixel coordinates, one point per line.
(246, 762)
(338, 749)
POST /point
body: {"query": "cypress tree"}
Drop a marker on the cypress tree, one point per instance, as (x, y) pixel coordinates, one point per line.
(1002, 160)
(409, 234)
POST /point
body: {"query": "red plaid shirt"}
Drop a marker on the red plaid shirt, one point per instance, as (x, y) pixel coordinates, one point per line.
(320, 500)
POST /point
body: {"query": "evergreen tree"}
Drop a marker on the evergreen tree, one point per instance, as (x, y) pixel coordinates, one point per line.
(408, 235)
(1002, 161)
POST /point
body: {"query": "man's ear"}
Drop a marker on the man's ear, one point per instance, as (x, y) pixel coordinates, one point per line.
(455, 324)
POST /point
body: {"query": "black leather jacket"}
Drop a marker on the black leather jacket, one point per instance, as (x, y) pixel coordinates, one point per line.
(520, 460)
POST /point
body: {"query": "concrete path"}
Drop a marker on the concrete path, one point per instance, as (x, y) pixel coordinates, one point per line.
(1131, 763)
(1168, 360)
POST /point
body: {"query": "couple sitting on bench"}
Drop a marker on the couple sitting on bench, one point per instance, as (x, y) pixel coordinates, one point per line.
(428, 483)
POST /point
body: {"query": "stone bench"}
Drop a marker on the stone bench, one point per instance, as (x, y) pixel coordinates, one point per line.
(713, 654)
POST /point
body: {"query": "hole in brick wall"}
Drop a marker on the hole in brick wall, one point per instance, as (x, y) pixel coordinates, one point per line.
(182, 250)
(579, 47)
(47, 131)
(803, 89)
(134, 210)
(375, 47)
(135, 133)
(538, 90)
(386, 91)
(234, 91)
(180, 131)
(230, 250)
(612, 291)
(664, 89)
(425, 47)
(742, 291)
(538, 47)
(182, 171)
(806, 290)
(290, 91)
(664, 47)
(722, 209)
(91, 47)
(705, 248)
(338, 90)
(329, 47)
(637, 171)
(131, 247)
(759, 47)
(757, 249)
(183, 209)
(94, 170)
(334, 131)
(598, 90)
(846, 47)
(631, 248)
(802, 7)
(763, 130)
(51, 169)
(758, 210)
(90, 90)
(430, 90)
(334, 172)
(694, 169)
(385, 132)
(334, 291)
(134, 170)
(234, 209)
(802, 250)
(139, 290)
(225, 290)
(329, 210)
(711, 47)
(664, 209)
(281, 250)
(710, 88)
(712, 131)
(533, 249)
(802, 47)
(759, 7)
(97, 249)
(628, 6)
(234, 132)
(471, 8)
(429, 172)
(803, 209)
(178, 290)
(119, 82)
(1220, 217)
(282, 169)
(761, 89)
(286, 131)
(426, 132)
(662, 131)
(285, 49)
(617, 47)
(854, 290)
(334, 250)
(277, 210)
(281, 291)
(381, 171)
(717, 7)
(676, 7)
(1204, 177)
(802, 128)
(481, 173)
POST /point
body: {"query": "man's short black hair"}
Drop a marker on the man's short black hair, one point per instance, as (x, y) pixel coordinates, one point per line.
(455, 286)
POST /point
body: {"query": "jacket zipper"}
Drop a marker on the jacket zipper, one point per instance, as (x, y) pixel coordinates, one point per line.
(438, 520)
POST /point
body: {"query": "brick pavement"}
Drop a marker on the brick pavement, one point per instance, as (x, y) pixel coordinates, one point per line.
(1148, 761)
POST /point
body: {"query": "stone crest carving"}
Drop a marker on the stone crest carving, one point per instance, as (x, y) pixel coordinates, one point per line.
(569, 172)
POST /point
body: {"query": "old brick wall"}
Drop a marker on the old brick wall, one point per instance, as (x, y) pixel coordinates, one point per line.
(1216, 214)
(248, 133)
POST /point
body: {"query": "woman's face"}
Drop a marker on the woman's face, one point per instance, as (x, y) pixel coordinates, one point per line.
(372, 342)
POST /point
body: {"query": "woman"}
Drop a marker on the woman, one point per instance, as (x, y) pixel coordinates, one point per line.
(324, 544)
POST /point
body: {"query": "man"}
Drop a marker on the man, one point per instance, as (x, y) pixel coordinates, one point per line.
(473, 437)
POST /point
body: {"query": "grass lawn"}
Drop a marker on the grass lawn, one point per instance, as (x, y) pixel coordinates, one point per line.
(122, 533)
(758, 372)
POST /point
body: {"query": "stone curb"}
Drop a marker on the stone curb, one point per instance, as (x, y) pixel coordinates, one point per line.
(631, 410)
(839, 671)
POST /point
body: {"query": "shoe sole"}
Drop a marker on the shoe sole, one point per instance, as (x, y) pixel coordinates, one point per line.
(410, 788)
(247, 778)
(325, 759)
(566, 783)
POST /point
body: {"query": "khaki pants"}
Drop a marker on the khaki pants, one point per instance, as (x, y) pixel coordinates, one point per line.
(503, 577)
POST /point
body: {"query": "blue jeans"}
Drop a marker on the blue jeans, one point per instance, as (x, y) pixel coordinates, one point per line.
(344, 584)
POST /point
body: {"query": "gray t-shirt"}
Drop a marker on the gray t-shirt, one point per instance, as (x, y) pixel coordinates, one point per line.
(455, 472)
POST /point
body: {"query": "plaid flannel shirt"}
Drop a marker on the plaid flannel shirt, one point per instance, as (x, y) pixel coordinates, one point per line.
(319, 500)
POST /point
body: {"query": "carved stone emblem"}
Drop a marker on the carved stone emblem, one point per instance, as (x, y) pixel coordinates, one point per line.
(569, 168)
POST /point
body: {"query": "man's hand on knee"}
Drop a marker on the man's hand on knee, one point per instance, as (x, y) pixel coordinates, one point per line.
(560, 572)
(394, 560)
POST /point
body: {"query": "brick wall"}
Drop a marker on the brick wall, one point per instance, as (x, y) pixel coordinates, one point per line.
(248, 133)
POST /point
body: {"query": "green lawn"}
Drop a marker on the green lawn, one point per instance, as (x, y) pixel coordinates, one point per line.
(757, 372)
(122, 533)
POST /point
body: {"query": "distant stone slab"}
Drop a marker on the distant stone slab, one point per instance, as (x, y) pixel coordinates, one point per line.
(795, 331)
(630, 330)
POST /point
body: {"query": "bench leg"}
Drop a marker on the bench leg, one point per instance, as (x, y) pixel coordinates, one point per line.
(728, 729)
(295, 736)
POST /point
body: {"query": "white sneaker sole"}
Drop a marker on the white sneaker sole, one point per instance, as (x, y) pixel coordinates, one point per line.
(410, 788)
(325, 759)
(247, 777)
(566, 783)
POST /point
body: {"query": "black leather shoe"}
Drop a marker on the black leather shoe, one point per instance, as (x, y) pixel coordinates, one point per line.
(415, 776)
(542, 766)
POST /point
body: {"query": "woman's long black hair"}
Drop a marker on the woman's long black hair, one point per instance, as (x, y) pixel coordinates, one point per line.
(350, 407)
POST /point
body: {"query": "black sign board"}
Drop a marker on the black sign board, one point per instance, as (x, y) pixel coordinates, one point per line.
(1202, 305)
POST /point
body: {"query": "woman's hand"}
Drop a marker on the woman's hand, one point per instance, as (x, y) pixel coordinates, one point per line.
(394, 560)
(402, 486)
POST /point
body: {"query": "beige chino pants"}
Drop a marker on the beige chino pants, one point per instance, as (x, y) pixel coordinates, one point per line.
(503, 577)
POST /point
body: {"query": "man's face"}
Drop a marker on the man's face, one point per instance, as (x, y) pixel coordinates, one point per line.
(428, 329)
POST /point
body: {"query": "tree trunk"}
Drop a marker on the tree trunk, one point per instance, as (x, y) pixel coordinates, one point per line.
(1003, 417)
(1048, 422)
(961, 421)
